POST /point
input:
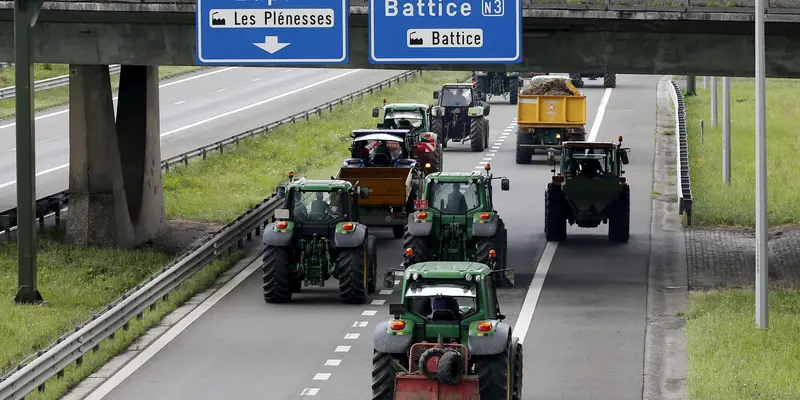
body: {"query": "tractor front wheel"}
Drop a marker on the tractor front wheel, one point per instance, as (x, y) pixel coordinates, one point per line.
(419, 246)
(383, 376)
(477, 133)
(619, 222)
(555, 218)
(353, 275)
(372, 257)
(493, 375)
(275, 275)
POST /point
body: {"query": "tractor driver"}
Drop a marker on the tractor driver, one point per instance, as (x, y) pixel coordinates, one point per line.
(382, 149)
(319, 206)
(404, 124)
(456, 202)
(591, 167)
(442, 304)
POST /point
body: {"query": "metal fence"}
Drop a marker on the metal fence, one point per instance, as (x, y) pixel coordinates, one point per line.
(50, 83)
(32, 373)
(684, 182)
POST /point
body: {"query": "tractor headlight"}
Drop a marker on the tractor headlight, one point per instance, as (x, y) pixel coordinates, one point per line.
(415, 276)
(468, 277)
(478, 278)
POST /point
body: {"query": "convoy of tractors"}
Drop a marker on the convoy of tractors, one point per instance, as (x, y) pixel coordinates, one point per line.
(447, 338)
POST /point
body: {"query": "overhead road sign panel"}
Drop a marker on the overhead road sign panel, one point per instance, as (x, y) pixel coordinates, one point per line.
(445, 31)
(271, 32)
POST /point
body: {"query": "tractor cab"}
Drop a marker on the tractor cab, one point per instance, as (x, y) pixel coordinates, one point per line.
(411, 116)
(590, 160)
(380, 148)
(446, 337)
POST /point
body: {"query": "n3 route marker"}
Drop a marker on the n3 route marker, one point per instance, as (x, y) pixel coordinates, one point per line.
(445, 31)
(272, 32)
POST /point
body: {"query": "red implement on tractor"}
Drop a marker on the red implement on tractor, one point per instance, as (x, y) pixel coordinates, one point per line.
(437, 372)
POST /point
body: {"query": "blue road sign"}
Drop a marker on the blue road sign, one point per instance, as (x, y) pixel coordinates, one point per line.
(269, 32)
(445, 31)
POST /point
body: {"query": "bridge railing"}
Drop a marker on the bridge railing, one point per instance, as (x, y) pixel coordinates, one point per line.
(683, 181)
(50, 83)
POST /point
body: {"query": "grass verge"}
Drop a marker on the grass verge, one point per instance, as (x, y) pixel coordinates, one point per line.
(730, 359)
(59, 96)
(717, 204)
(225, 185)
(77, 283)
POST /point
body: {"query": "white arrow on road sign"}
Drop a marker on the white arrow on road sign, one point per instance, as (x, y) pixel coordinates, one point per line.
(271, 44)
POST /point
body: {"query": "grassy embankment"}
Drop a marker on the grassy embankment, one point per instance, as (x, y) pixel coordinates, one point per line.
(59, 96)
(223, 186)
(249, 172)
(728, 357)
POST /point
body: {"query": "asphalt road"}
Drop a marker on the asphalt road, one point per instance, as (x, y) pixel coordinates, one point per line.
(583, 326)
(196, 110)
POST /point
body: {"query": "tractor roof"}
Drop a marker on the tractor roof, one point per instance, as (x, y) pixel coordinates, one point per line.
(321, 184)
(458, 85)
(394, 132)
(456, 176)
(379, 136)
(405, 107)
(590, 145)
(448, 269)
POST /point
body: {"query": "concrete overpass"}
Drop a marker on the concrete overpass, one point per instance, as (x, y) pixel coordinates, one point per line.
(116, 196)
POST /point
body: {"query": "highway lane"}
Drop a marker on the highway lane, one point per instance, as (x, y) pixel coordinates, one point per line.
(196, 110)
(585, 339)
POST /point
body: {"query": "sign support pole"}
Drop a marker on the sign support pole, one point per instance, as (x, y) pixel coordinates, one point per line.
(762, 268)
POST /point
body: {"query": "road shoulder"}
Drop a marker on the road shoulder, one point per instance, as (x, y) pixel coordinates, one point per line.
(667, 281)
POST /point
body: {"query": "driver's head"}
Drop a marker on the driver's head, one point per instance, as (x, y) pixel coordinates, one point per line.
(456, 187)
(403, 123)
(319, 196)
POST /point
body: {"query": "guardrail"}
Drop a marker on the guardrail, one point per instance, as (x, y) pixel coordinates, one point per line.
(684, 183)
(56, 203)
(32, 373)
(49, 83)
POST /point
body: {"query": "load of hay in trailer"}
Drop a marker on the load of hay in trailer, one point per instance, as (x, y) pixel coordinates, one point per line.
(550, 86)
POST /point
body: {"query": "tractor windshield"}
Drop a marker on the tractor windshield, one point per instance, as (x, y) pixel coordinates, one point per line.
(589, 162)
(403, 120)
(454, 197)
(438, 300)
(456, 97)
(317, 207)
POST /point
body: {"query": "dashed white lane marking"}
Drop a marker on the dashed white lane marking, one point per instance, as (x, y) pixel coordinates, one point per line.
(333, 363)
(369, 313)
(256, 80)
(342, 349)
(322, 376)
(221, 90)
(352, 336)
(309, 392)
(377, 302)
(396, 282)
(386, 292)
(360, 324)
(180, 102)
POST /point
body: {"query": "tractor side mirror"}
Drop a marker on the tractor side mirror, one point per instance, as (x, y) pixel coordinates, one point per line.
(505, 184)
(486, 109)
(363, 192)
(623, 156)
(376, 112)
(508, 275)
(388, 279)
(436, 95)
(280, 191)
(396, 310)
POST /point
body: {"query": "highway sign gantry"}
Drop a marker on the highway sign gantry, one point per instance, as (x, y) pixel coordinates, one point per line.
(272, 32)
(445, 31)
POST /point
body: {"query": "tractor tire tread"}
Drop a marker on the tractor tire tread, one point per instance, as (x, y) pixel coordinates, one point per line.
(352, 288)
(276, 278)
(619, 222)
(555, 221)
(492, 372)
(419, 244)
(476, 134)
(383, 376)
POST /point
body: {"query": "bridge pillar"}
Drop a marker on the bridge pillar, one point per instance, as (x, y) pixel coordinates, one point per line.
(116, 195)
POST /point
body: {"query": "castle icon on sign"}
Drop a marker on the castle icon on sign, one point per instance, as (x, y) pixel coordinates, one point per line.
(412, 41)
(217, 21)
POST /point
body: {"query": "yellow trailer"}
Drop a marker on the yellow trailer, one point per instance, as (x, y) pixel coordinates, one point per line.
(390, 195)
(543, 121)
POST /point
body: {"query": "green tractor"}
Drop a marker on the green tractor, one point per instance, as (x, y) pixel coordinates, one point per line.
(460, 116)
(588, 190)
(455, 219)
(316, 237)
(489, 83)
(447, 338)
(609, 80)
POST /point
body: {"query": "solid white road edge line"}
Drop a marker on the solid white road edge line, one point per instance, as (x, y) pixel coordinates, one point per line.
(537, 284)
(218, 116)
(115, 97)
(114, 380)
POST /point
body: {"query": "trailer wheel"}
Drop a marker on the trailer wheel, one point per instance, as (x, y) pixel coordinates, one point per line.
(523, 155)
(383, 376)
(493, 374)
(619, 222)
(555, 219)
(353, 271)
(418, 244)
(275, 275)
(516, 370)
(372, 257)
(610, 80)
(513, 91)
(477, 133)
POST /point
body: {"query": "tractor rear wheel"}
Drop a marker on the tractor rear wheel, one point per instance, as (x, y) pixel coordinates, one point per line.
(276, 279)
(493, 375)
(516, 370)
(513, 91)
(437, 127)
(486, 134)
(610, 80)
(555, 218)
(353, 275)
(372, 258)
(435, 159)
(418, 244)
(476, 134)
(619, 222)
(383, 376)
